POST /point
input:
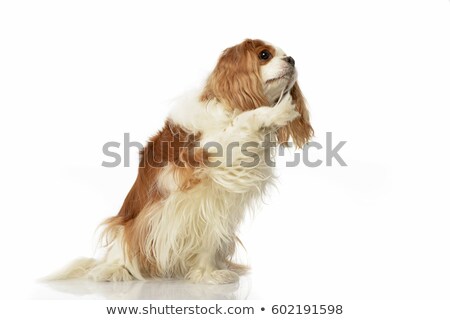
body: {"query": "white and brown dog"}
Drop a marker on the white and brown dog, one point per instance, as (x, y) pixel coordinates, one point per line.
(181, 216)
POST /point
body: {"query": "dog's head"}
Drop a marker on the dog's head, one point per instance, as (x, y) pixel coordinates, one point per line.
(254, 74)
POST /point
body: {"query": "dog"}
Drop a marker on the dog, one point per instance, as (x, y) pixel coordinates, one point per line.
(181, 216)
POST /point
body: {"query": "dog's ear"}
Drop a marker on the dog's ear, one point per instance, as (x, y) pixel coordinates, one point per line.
(235, 81)
(300, 128)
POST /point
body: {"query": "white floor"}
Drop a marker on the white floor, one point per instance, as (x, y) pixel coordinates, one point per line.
(136, 290)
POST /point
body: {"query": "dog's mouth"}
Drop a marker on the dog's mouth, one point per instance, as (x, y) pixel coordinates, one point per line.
(286, 76)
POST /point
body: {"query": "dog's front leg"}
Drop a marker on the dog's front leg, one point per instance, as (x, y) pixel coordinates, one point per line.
(241, 166)
(206, 269)
(267, 119)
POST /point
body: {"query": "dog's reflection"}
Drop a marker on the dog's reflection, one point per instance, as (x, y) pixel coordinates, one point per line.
(153, 289)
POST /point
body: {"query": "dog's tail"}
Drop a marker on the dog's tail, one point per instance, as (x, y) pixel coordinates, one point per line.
(77, 269)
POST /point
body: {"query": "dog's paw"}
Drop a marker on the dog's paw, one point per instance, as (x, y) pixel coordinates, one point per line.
(195, 275)
(285, 111)
(110, 272)
(223, 276)
(213, 277)
(285, 103)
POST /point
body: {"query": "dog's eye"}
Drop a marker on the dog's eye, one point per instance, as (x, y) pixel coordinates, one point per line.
(264, 55)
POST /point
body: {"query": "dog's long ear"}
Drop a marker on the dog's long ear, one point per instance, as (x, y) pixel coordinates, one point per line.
(235, 81)
(299, 129)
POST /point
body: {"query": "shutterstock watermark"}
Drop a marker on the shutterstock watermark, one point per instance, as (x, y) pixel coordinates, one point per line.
(215, 154)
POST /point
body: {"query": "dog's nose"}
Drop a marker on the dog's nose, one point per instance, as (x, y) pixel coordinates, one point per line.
(290, 60)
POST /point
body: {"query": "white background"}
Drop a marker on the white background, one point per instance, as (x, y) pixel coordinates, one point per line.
(77, 74)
